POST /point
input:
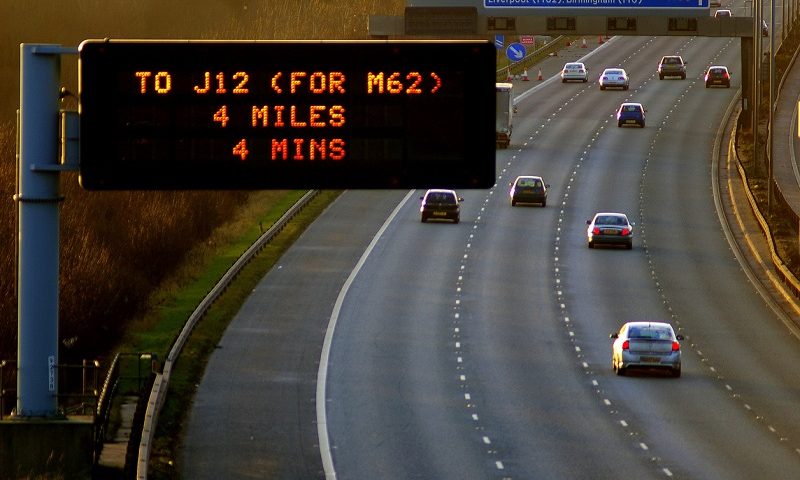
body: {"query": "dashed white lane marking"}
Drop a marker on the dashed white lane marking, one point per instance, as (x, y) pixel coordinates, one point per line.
(499, 465)
(559, 283)
(486, 440)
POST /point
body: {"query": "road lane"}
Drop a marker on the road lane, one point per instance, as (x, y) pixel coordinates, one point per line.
(481, 350)
(254, 413)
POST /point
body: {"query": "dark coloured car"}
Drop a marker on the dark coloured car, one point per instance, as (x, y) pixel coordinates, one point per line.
(718, 75)
(607, 228)
(646, 345)
(671, 66)
(439, 204)
(528, 189)
(631, 114)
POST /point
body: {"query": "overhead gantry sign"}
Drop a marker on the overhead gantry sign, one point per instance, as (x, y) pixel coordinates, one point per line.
(310, 114)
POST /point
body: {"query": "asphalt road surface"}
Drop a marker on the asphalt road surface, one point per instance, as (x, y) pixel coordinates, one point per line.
(480, 350)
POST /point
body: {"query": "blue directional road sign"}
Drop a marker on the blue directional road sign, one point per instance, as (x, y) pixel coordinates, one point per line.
(594, 4)
(515, 52)
(499, 41)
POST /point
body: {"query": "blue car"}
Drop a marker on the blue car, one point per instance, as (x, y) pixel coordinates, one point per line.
(630, 114)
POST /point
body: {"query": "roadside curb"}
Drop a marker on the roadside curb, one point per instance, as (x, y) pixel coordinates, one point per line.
(759, 249)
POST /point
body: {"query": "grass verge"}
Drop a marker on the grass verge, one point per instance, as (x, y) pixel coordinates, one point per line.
(156, 332)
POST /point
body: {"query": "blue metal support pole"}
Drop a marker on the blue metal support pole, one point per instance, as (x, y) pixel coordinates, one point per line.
(38, 242)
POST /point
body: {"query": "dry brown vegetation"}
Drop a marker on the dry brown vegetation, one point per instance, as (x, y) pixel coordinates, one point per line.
(781, 218)
(116, 247)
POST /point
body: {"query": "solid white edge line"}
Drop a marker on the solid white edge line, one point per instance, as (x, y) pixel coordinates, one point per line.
(322, 373)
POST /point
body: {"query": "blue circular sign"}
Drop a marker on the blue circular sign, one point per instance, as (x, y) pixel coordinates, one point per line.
(515, 52)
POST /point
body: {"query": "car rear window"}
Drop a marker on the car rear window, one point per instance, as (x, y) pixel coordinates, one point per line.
(650, 333)
(630, 108)
(529, 182)
(610, 220)
(441, 197)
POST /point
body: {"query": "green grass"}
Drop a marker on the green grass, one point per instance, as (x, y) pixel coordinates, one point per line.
(176, 303)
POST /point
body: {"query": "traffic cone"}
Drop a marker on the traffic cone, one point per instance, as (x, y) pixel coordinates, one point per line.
(599, 39)
(508, 77)
(539, 77)
(525, 75)
(583, 44)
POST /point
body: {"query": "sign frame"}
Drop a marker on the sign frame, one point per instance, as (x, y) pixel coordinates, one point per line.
(136, 130)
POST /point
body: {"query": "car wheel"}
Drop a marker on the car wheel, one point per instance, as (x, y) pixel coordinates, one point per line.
(585, 80)
(602, 87)
(676, 373)
(628, 246)
(423, 219)
(563, 80)
(619, 124)
(660, 77)
(683, 77)
(544, 203)
(513, 202)
(625, 87)
(457, 219)
(642, 124)
(727, 85)
(591, 244)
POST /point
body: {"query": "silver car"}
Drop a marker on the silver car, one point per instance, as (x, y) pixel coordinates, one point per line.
(614, 77)
(609, 228)
(646, 345)
(574, 71)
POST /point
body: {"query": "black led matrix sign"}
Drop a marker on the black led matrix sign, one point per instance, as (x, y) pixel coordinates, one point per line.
(163, 115)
